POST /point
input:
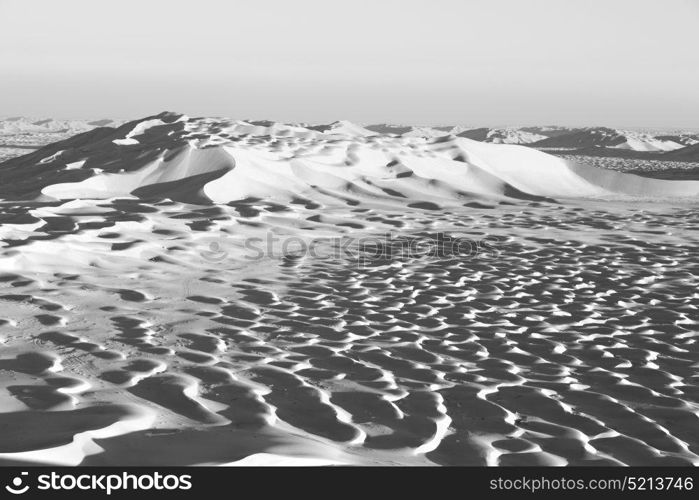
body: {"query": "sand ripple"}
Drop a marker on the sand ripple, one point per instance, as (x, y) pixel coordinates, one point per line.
(571, 341)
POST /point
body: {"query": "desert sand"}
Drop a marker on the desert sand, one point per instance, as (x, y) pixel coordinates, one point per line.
(139, 327)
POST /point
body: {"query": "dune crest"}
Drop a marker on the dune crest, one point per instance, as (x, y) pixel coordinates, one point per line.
(256, 159)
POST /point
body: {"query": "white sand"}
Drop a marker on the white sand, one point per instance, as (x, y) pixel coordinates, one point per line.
(135, 329)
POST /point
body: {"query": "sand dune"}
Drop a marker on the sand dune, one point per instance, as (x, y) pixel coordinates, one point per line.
(20, 135)
(555, 137)
(161, 152)
(139, 325)
(37, 126)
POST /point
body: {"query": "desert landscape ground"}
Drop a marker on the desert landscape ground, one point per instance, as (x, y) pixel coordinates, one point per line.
(187, 291)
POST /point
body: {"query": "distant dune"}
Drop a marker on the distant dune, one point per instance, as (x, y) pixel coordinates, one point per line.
(227, 160)
(23, 125)
(690, 153)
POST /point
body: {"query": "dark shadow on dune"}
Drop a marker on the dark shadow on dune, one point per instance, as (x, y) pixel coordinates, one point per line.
(29, 430)
(175, 447)
(24, 177)
(513, 192)
(32, 363)
(188, 190)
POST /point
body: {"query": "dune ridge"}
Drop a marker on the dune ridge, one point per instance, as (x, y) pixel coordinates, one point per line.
(270, 160)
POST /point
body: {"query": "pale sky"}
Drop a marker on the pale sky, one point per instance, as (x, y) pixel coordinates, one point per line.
(624, 63)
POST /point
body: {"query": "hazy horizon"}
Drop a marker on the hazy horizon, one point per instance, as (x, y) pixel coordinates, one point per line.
(626, 64)
(398, 124)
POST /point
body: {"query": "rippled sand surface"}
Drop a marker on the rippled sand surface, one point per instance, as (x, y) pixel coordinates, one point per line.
(136, 332)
